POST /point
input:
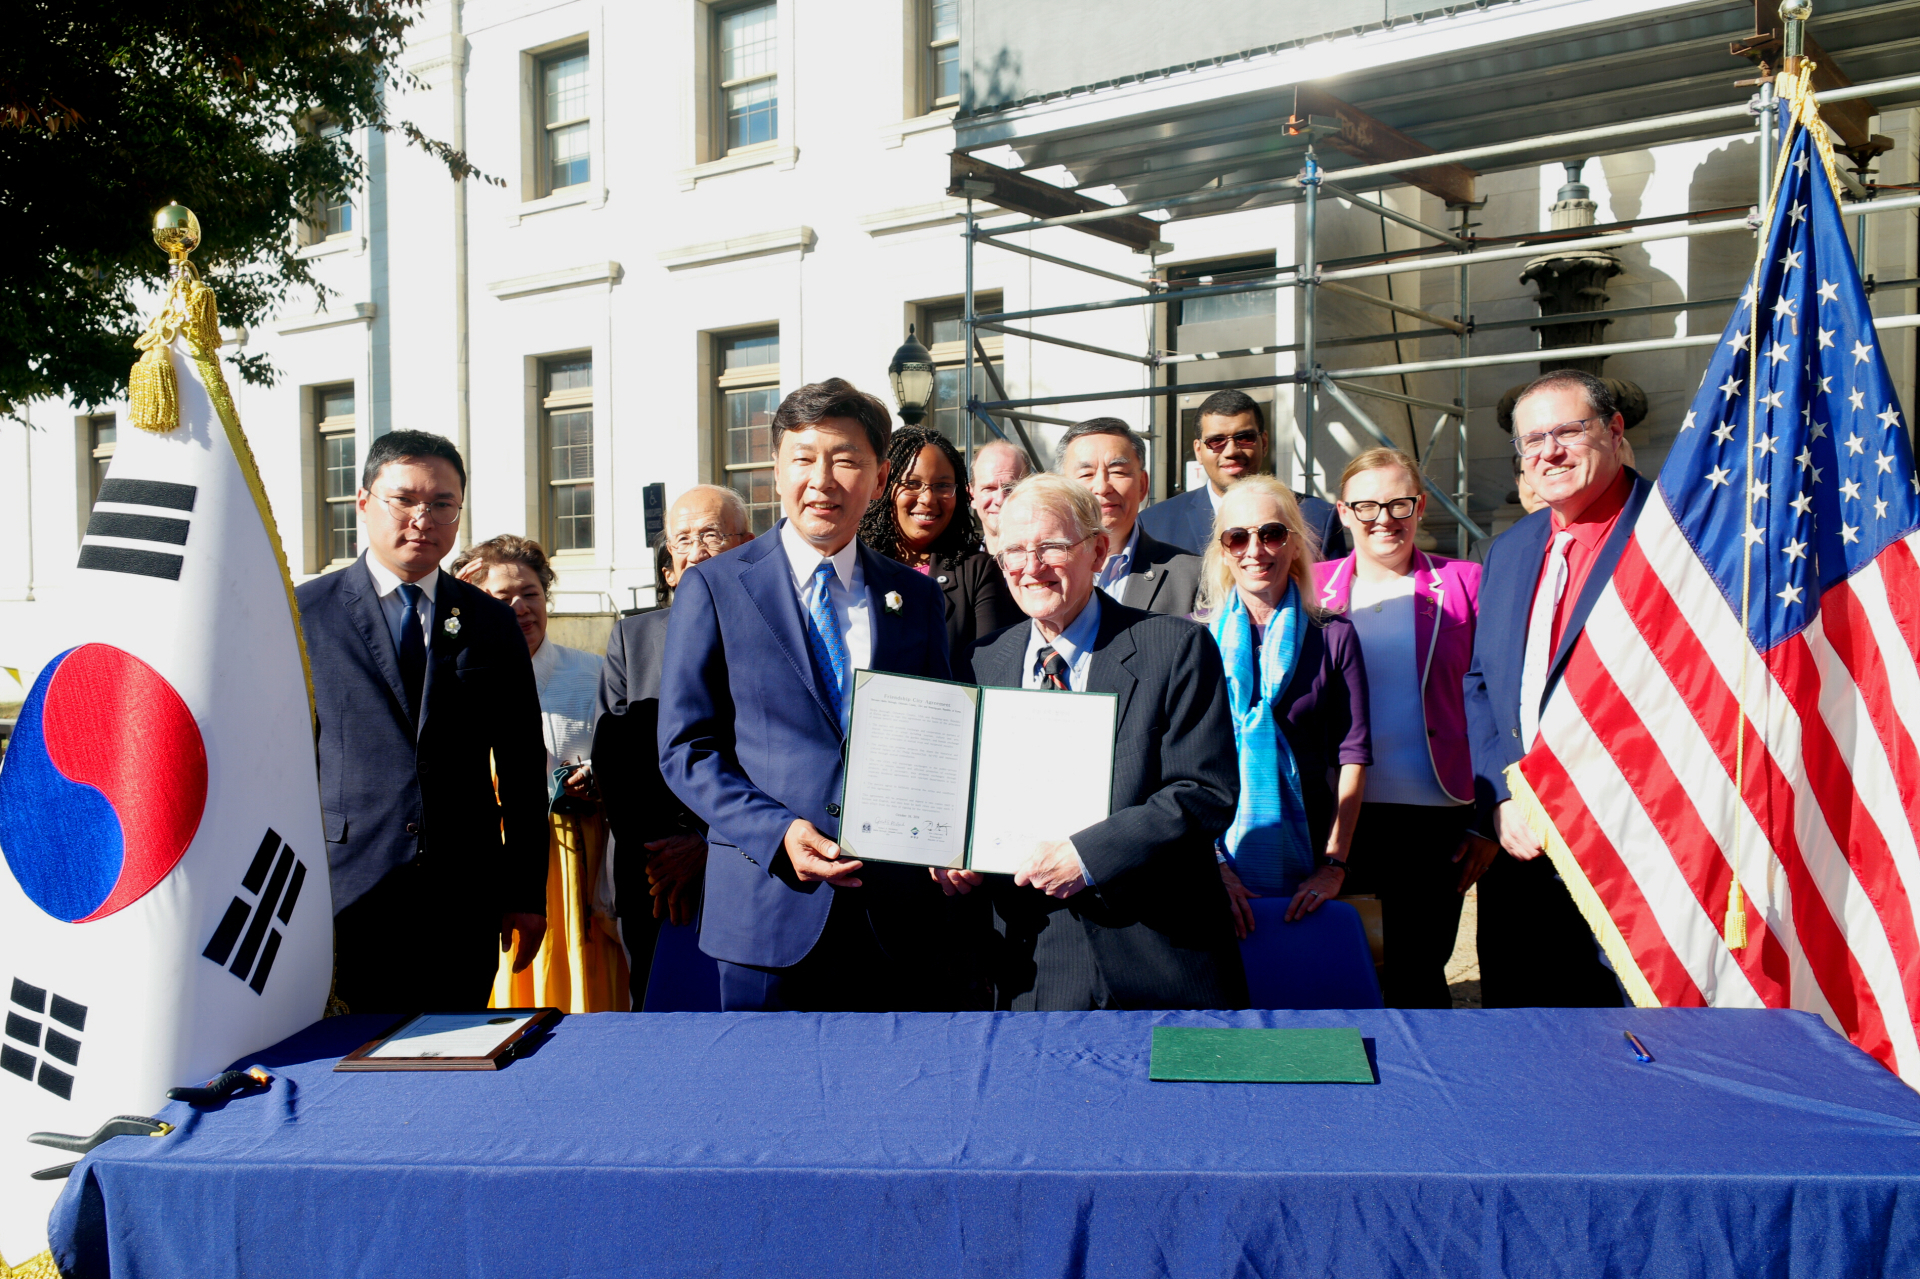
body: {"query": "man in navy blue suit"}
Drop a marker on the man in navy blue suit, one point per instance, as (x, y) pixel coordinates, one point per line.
(1232, 442)
(424, 692)
(1542, 579)
(760, 654)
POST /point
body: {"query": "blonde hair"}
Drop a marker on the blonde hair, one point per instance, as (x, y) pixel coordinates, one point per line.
(1381, 459)
(1216, 575)
(1060, 495)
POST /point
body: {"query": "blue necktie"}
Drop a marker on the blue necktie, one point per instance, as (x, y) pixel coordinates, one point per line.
(829, 649)
(413, 647)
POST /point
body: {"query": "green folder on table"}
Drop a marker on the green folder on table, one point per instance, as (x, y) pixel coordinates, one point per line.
(1249, 1055)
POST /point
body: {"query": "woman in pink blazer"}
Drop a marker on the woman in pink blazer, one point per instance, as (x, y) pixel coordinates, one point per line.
(1414, 614)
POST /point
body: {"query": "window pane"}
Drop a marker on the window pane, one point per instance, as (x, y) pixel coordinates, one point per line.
(338, 461)
(747, 43)
(943, 322)
(339, 217)
(946, 19)
(567, 150)
(948, 413)
(750, 425)
(752, 111)
(570, 438)
(573, 517)
(1228, 306)
(745, 352)
(105, 432)
(569, 375)
(336, 401)
(567, 88)
(946, 71)
(756, 490)
(342, 532)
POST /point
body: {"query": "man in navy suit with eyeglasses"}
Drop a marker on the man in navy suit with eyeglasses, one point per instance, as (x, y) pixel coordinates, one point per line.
(754, 692)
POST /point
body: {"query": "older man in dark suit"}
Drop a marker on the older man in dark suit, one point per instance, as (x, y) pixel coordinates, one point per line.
(1543, 577)
(660, 848)
(424, 692)
(1231, 442)
(1130, 912)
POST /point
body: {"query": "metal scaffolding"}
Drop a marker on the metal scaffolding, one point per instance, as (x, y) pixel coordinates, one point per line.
(1457, 249)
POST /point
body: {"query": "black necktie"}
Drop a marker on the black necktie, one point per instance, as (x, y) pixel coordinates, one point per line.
(413, 647)
(1053, 671)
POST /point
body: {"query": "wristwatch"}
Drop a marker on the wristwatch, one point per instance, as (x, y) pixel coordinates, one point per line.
(1340, 862)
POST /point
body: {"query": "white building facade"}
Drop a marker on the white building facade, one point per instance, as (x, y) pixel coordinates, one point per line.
(707, 205)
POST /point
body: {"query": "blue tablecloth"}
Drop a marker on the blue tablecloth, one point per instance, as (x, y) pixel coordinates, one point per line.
(1494, 1143)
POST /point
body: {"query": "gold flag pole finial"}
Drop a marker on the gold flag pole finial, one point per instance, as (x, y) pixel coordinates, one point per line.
(153, 392)
(1794, 13)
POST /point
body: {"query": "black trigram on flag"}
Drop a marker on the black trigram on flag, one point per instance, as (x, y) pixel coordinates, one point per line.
(35, 1020)
(120, 527)
(250, 924)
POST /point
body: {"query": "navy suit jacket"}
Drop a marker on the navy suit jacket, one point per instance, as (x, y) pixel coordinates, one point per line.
(1513, 564)
(1186, 521)
(748, 742)
(389, 793)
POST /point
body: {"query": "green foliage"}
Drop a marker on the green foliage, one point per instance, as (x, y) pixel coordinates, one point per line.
(111, 108)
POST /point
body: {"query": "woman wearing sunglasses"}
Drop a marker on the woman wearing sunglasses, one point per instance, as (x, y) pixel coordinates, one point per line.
(1414, 615)
(1299, 700)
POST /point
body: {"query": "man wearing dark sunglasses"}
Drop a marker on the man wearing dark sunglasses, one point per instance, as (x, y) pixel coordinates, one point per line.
(1231, 444)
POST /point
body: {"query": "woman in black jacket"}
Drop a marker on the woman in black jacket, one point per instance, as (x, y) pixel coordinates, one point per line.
(923, 519)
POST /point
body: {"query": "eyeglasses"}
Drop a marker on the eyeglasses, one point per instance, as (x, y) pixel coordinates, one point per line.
(1235, 539)
(441, 513)
(1218, 443)
(1564, 436)
(1014, 559)
(711, 538)
(1367, 512)
(942, 489)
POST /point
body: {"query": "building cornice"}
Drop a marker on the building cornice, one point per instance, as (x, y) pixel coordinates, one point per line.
(358, 313)
(799, 238)
(607, 273)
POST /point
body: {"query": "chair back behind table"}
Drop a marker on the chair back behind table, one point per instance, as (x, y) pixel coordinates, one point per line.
(1320, 960)
(684, 978)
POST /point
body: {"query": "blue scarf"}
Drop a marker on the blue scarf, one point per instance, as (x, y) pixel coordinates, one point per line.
(1268, 841)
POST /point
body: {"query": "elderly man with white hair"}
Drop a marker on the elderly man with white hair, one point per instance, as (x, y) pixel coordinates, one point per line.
(1130, 912)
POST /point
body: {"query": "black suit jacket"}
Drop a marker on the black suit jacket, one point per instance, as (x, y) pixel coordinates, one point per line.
(388, 793)
(1186, 521)
(626, 755)
(1156, 918)
(978, 602)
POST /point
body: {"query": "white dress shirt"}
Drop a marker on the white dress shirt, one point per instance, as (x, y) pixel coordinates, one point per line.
(393, 606)
(1075, 645)
(846, 591)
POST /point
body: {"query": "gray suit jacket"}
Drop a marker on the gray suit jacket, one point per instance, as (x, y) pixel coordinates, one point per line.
(1162, 579)
(1154, 930)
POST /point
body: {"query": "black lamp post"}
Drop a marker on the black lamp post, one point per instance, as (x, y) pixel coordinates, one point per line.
(912, 376)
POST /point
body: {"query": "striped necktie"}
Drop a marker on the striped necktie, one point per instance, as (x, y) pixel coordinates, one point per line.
(1054, 676)
(829, 647)
(1539, 658)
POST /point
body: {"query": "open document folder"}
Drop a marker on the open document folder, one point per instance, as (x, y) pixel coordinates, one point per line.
(971, 778)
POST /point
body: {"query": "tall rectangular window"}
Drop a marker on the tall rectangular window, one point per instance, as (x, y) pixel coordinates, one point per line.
(567, 433)
(564, 123)
(334, 447)
(102, 430)
(943, 53)
(336, 212)
(945, 337)
(749, 80)
(748, 387)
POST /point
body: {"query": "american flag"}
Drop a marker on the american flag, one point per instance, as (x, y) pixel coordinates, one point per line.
(1774, 571)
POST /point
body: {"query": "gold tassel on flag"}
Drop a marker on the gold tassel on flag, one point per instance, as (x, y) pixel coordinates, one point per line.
(153, 396)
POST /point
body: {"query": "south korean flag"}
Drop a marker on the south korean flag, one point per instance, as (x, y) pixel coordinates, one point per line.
(163, 901)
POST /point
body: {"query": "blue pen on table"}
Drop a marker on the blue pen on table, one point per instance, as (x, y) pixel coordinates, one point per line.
(1640, 1052)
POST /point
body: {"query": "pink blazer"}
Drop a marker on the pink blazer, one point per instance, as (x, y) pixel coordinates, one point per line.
(1446, 590)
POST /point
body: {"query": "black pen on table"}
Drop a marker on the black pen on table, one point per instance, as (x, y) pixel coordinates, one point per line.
(1639, 1049)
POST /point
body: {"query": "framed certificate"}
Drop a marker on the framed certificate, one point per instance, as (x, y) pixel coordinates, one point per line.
(450, 1041)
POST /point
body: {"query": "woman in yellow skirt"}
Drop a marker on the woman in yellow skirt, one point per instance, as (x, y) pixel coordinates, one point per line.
(581, 966)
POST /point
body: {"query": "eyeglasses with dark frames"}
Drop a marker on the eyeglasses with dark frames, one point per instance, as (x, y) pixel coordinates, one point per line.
(1218, 443)
(1234, 540)
(1397, 509)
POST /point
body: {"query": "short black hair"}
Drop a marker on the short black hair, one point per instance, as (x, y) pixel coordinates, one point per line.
(1600, 396)
(395, 445)
(835, 397)
(1231, 404)
(1101, 426)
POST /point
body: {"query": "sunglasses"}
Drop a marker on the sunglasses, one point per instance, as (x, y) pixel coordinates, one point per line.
(1218, 443)
(1235, 540)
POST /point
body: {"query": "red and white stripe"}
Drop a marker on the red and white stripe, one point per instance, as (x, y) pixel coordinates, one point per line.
(1635, 768)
